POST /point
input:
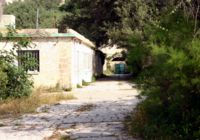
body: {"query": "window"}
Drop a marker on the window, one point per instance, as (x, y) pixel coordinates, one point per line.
(29, 60)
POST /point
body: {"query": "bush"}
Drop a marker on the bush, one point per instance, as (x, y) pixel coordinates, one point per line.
(14, 81)
(171, 84)
(3, 80)
(84, 83)
(138, 53)
(19, 83)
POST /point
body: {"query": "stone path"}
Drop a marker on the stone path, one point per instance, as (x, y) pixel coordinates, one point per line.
(96, 114)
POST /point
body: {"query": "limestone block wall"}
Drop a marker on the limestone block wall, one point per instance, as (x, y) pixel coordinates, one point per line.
(7, 20)
(48, 75)
(54, 61)
(65, 62)
(87, 62)
(1, 9)
(110, 51)
(82, 63)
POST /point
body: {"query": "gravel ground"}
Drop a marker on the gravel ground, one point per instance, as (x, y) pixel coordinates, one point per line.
(96, 114)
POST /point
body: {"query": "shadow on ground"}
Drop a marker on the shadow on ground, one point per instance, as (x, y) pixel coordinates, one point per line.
(116, 77)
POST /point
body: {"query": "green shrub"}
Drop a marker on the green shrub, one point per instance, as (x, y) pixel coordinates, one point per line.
(14, 81)
(79, 86)
(137, 54)
(18, 83)
(84, 83)
(171, 84)
(94, 78)
(3, 79)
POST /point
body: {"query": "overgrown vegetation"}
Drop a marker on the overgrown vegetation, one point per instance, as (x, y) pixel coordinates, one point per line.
(15, 107)
(84, 83)
(162, 38)
(14, 81)
(79, 86)
(16, 95)
(98, 15)
(170, 81)
(52, 89)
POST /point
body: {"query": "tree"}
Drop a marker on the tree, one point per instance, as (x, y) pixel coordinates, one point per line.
(90, 17)
(115, 20)
(25, 12)
(171, 82)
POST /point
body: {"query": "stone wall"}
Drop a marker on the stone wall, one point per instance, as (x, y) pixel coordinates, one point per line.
(7, 20)
(54, 61)
(82, 63)
(1, 8)
(63, 61)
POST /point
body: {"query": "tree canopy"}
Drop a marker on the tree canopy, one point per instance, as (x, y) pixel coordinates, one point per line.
(91, 18)
(26, 13)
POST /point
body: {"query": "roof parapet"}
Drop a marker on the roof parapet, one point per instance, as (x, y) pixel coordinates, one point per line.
(53, 32)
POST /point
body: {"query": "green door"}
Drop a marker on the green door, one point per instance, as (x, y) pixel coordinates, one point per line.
(119, 68)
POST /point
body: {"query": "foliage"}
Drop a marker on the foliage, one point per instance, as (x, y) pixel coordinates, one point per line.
(171, 83)
(26, 13)
(84, 83)
(110, 21)
(162, 38)
(94, 14)
(14, 81)
(79, 86)
(137, 56)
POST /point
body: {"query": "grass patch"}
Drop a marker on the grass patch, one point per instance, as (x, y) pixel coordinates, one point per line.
(2, 125)
(79, 86)
(16, 107)
(49, 89)
(84, 83)
(58, 136)
(65, 138)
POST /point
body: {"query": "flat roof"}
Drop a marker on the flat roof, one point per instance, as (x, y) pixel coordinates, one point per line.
(71, 34)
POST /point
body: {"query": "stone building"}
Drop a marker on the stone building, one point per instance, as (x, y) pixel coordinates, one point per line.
(5, 20)
(64, 59)
(115, 60)
(1, 8)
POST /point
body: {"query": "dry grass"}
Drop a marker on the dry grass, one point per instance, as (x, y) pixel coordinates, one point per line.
(58, 136)
(16, 107)
(49, 89)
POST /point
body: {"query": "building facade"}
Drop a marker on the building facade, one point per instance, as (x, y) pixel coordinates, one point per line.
(64, 59)
(115, 60)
